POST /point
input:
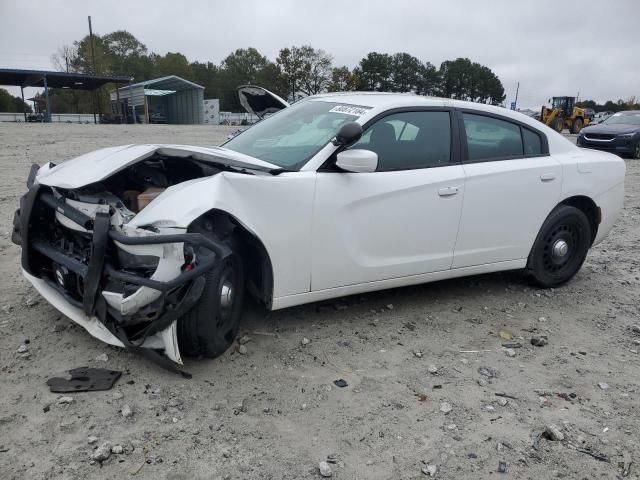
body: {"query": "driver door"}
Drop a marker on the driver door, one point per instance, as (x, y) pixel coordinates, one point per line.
(398, 221)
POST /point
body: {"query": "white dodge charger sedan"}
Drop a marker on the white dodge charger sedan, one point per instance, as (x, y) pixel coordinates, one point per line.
(154, 247)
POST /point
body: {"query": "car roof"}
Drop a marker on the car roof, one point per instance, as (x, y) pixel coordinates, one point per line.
(382, 101)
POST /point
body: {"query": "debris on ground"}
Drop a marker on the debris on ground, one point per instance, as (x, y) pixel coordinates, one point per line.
(539, 341)
(126, 411)
(341, 383)
(488, 372)
(103, 357)
(325, 469)
(84, 380)
(117, 449)
(305, 341)
(505, 395)
(430, 470)
(65, 400)
(445, 407)
(505, 334)
(102, 453)
(432, 369)
(502, 467)
(553, 433)
(603, 386)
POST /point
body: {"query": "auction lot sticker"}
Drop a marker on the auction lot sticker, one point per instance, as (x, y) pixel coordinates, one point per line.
(350, 110)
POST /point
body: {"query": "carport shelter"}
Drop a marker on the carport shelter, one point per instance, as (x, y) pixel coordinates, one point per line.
(164, 100)
(46, 80)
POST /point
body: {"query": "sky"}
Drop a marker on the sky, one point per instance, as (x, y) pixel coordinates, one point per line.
(551, 47)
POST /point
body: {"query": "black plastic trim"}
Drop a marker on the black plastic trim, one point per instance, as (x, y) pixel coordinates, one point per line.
(68, 211)
(206, 265)
(59, 257)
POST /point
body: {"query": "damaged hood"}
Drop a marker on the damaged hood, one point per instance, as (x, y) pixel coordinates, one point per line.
(260, 101)
(98, 165)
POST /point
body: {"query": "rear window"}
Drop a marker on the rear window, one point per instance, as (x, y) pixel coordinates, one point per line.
(489, 138)
(532, 143)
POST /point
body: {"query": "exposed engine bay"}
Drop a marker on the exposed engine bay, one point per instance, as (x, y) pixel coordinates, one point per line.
(138, 185)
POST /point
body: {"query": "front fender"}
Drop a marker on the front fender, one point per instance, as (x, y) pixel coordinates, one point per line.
(275, 209)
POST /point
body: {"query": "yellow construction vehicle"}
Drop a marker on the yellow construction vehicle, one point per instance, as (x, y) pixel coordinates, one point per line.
(564, 114)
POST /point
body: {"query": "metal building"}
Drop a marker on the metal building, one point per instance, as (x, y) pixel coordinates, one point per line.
(47, 80)
(164, 100)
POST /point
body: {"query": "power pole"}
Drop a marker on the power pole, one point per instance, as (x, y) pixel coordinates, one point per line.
(93, 54)
(93, 62)
(517, 90)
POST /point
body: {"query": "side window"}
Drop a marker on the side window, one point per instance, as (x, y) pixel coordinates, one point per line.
(409, 140)
(491, 139)
(532, 143)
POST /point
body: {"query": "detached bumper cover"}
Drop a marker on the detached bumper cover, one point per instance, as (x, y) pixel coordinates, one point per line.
(96, 312)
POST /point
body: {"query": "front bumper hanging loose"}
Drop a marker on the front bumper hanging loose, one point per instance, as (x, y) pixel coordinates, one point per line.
(98, 270)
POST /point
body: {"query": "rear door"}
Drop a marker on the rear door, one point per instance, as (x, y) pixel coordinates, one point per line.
(512, 183)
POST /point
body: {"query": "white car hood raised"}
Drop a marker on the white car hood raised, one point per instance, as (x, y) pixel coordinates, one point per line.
(98, 165)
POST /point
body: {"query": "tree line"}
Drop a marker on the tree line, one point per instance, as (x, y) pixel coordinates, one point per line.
(297, 71)
(9, 103)
(631, 103)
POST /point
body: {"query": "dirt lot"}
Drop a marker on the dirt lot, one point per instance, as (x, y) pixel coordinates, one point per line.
(275, 413)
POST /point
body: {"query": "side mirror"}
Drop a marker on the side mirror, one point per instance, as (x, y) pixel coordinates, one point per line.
(348, 134)
(358, 161)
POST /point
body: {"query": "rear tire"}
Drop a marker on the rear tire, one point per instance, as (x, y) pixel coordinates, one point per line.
(636, 151)
(576, 126)
(211, 326)
(560, 248)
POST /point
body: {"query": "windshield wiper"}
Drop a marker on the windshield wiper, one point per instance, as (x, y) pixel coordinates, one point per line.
(278, 171)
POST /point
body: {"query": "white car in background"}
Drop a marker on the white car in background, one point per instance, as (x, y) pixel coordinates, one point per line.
(153, 247)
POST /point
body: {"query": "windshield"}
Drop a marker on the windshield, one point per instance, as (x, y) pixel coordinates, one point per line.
(624, 119)
(292, 136)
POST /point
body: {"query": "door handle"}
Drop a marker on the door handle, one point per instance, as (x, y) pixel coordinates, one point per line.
(547, 177)
(448, 191)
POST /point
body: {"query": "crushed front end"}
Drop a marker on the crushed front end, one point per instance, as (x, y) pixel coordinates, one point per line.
(125, 285)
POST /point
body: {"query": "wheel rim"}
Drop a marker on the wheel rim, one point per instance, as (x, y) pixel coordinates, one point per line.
(227, 296)
(637, 152)
(561, 248)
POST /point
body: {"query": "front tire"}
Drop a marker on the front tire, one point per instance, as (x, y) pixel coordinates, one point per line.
(558, 124)
(636, 151)
(560, 248)
(211, 326)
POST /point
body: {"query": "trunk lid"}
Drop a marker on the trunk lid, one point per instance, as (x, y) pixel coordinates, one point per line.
(260, 101)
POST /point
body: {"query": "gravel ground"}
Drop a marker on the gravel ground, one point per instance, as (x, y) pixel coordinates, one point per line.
(416, 401)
